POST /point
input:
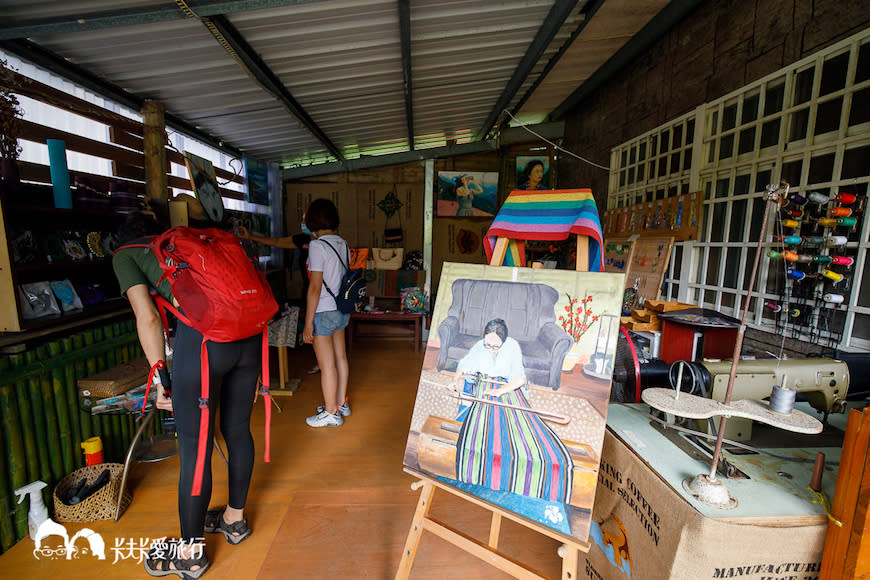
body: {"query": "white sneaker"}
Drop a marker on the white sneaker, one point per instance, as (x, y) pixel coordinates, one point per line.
(344, 409)
(324, 419)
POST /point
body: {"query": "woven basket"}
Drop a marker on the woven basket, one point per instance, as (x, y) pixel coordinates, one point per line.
(102, 505)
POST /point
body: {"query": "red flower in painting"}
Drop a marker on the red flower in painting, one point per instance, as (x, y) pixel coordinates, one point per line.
(578, 322)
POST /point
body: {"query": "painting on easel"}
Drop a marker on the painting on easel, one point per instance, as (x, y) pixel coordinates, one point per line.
(512, 399)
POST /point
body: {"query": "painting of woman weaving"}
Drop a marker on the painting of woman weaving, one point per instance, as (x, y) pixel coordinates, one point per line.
(505, 409)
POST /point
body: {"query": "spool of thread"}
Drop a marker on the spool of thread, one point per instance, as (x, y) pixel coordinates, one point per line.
(93, 449)
(791, 240)
(833, 298)
(774, 255)
(818, 470)
(795, 274)
(798, 199)
(794, 312)
(789, 256)
(822, 259)
(791, 223)
(831, 275)
(818, 197)
(773, 307)
(782, 400)
(827, 222)
(836, 240)
(846, 222)
(814, 240)
(842, 260)
(845, 198)
(840, 212)
(804, 259)
(794, 213)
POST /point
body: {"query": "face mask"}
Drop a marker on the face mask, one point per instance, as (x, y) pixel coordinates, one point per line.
(306, 231)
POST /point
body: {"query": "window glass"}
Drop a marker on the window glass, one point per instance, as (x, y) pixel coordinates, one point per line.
(746, 144)
(723, 187)
(741, 184)
(834, 74)
(762, 179)
(675, 162)
(663, 166)
(677, 137)
(632, 154)
(687, 160)
(624, 158)
(755, 224)
(641, 151)
(663, 143)
(727, 298)
(640, 169)
(717, 231)
(799, 121)
(773, 99)
(828, 116)
(821, 169)
(860, 109)
(690, 132)
(862, 71)
(856, 163)
(750, 109)
(713, 265)
(770, 133)
(738, 222)
(729, 117)
(726, 146)
(803, 86)
(631, 174)
(791, 172)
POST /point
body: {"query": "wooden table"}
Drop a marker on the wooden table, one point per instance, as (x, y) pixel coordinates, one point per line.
(415, 318)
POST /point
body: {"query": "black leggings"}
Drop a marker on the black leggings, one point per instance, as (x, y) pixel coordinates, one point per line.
(233, 371)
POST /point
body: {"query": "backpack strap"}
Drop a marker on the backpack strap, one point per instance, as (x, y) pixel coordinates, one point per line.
(267, 396)
(345, 266)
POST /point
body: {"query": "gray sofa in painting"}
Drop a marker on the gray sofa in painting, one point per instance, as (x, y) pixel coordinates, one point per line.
(528, 310)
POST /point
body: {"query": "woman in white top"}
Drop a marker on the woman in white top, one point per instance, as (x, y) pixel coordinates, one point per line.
(324, 323)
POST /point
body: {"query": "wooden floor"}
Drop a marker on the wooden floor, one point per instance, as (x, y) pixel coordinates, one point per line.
(333, 503)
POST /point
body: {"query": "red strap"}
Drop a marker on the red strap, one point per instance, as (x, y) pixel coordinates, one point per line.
(158, 365)
(203, 422)
(267, 397)
(636, 364)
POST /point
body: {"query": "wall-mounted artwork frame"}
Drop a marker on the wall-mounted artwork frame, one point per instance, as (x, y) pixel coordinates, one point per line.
(533, 172)
(559, 336)
(466, 193)
(203, 180)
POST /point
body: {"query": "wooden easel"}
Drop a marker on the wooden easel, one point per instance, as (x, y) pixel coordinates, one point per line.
(570, 549)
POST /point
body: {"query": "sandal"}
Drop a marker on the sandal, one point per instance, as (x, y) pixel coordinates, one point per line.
(234, 533)
(165, 555)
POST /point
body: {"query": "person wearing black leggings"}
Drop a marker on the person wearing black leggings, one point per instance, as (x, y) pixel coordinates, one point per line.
(233, 371)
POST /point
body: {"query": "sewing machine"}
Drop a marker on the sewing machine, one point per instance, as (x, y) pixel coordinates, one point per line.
(823, 382)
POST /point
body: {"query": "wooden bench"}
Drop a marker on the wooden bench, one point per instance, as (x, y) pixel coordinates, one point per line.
(415, 318)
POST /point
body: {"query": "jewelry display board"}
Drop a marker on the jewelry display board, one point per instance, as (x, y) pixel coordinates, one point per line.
(678, 216)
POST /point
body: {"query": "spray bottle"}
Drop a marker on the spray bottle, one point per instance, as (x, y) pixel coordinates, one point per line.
(38, 513)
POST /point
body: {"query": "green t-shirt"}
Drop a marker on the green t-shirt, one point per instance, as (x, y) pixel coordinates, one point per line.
(137, 265)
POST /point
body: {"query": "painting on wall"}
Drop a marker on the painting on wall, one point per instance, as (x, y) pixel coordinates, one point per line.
(257, 173)
(533, 172)
(512, 400)
(466, 194)
(204, 182)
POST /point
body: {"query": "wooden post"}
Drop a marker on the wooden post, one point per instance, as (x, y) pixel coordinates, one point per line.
(154, 127)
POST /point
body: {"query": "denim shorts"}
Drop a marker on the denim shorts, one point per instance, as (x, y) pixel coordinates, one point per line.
(330, 321)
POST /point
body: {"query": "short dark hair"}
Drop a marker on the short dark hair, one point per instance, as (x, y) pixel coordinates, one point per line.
(498, 326)
(321, 215)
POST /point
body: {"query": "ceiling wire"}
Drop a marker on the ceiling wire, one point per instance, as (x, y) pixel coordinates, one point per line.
(555, 146)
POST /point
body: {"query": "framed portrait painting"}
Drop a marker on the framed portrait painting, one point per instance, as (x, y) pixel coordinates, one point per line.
(533, 172)
(512, 400)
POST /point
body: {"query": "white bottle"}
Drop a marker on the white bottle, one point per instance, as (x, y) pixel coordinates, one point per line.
(37, 513)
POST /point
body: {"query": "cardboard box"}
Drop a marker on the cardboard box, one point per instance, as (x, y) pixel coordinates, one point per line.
(644, 529)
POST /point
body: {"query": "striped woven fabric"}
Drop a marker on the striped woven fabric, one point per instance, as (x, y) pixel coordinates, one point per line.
(512, 450)
(548, 215)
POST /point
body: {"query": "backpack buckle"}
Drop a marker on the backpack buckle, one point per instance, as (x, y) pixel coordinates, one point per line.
(203, 402)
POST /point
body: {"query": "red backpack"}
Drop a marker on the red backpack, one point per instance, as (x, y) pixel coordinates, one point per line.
(222, 295)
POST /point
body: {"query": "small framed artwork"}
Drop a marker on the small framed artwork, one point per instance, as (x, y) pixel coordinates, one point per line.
(205, 186)
(466, 194)
(258, 181)
(533, 172)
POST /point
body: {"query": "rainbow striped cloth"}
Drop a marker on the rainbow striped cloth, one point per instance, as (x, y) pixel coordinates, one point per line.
(548, 215)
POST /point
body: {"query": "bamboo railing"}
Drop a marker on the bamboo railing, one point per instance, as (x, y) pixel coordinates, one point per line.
(43, 422)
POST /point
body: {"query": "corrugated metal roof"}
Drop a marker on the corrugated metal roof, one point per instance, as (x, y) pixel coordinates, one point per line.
(333, 68)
